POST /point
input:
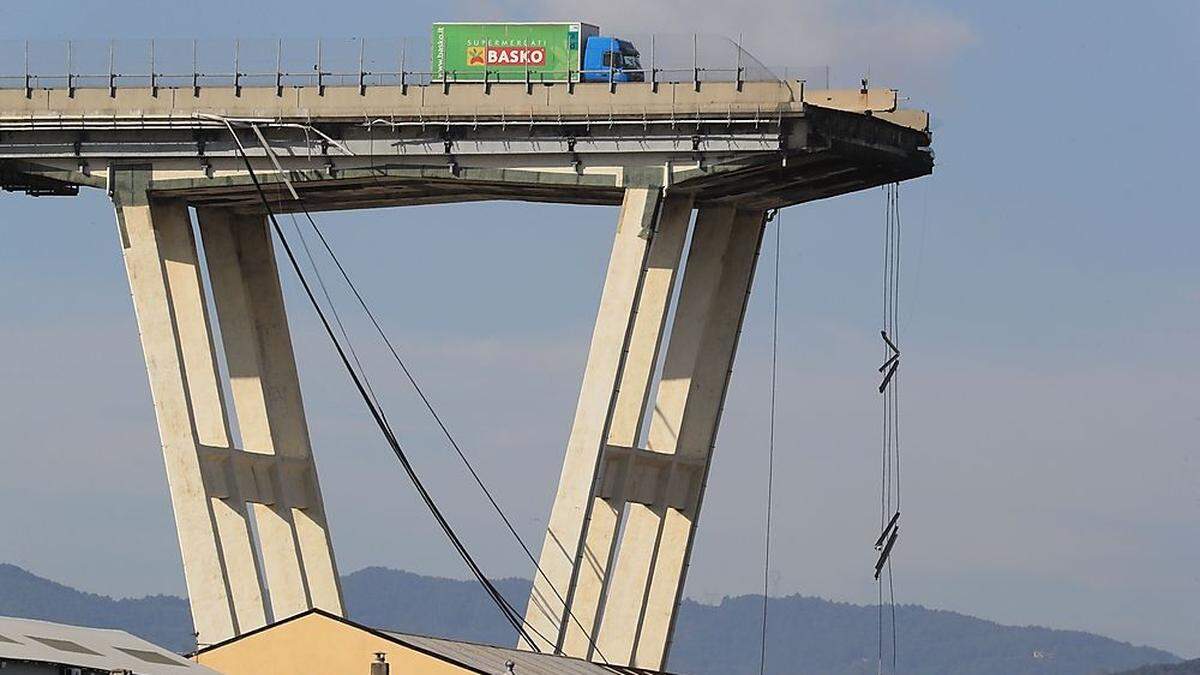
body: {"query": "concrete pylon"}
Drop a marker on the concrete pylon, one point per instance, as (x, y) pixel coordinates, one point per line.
(234, 506)
(620, 532)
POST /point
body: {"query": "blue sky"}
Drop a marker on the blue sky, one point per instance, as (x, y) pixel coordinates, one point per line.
(1050, 303)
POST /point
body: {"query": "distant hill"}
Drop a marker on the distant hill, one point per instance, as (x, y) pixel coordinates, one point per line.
(161, 619)
(1185, 668)
(808, 636)
(811, 635)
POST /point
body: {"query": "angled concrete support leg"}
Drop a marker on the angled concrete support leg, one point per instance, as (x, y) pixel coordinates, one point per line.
(691, 395)
(220, 492)
(622, 594)
(579, 540)
(282, 483)
(214, 537)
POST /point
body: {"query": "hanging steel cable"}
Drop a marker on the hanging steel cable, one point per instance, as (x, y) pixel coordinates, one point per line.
(895, 408)
(506, 609)
(446, 432)
(889, 388)
(312, 263)
(762, 658)
(588, 634)
(337, 318)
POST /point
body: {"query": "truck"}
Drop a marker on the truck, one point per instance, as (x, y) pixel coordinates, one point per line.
(531, 52)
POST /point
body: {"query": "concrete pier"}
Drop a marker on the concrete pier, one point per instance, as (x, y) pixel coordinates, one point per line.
(707, 161)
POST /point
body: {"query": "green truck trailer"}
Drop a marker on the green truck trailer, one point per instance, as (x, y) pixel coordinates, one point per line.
(540, 52)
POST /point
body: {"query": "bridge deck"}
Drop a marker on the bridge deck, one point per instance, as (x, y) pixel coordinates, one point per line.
(765, 144)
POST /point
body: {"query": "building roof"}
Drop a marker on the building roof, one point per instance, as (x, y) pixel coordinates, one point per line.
(490, 659)
(469, 656)
(100, 649)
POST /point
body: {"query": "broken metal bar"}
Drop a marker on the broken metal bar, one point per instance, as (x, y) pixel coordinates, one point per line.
(889, 342)
(890, 373)
(884, 535)
(887, 551)
(275, 161)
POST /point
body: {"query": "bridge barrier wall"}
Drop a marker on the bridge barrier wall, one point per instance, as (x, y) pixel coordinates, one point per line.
(336, 62)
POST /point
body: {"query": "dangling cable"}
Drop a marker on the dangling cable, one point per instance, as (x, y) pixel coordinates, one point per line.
(420, 392)
(896, 332)
(762, 657)
(333, 310)
(889, 387)
(893, 359)
(446, 431)
(502, 604)
(408, 374)
(895, 406)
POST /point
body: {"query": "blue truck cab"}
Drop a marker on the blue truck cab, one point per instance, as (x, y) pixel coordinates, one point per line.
(605, 57)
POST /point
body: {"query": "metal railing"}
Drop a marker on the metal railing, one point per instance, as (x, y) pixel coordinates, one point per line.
(347, 62)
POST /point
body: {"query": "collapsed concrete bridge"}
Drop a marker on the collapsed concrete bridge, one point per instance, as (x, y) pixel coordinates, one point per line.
(726, 152)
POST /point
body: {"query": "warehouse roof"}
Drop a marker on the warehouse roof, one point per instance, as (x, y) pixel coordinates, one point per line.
(489, 659)
(98, 649)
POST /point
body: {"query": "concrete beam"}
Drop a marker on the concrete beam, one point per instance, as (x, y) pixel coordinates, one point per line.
(853, 100)
(626, 599)
(293, 536)
(578, 546)
(626, 512)
(220, 492)
(691, 396)
(625, 423)
(428, 103)
(564, 542)
(161, 262)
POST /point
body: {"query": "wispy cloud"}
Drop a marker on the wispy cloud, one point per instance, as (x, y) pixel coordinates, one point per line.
(890, 37)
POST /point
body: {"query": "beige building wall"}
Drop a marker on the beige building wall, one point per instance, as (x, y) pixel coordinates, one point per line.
(317, 644)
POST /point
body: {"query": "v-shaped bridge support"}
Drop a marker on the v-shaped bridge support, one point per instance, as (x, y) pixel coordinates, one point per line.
(621, 530)
(250, 520)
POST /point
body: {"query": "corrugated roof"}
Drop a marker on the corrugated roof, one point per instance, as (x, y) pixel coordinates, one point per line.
(95, 648)
(492, 660)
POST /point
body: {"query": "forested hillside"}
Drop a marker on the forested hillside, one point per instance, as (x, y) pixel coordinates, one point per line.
(808, 636)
